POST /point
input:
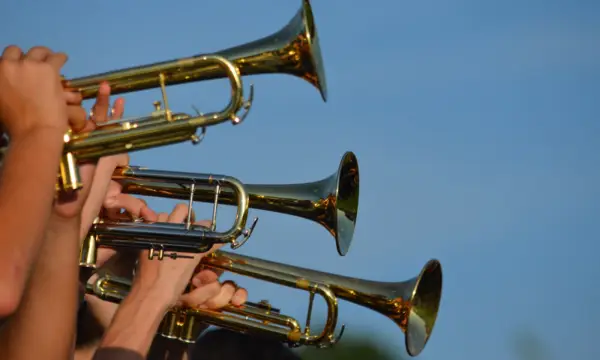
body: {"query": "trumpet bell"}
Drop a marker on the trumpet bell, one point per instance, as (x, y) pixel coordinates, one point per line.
(424, 307)
(413, 304)
(293, 50)
(331, 202)
(346, 202)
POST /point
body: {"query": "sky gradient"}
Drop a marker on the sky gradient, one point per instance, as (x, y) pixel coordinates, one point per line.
(476, 129)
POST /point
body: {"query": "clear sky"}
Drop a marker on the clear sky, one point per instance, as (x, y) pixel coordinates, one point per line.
(476, 128)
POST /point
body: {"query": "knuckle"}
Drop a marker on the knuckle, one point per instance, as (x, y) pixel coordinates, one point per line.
(180, 207)
(62, 56)
(162, 217)
(212, 303)
(12, 47)
(39, 48)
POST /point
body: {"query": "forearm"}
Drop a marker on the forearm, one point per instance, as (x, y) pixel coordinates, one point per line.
(27, 186)
(161, 349)
(97, 317)
(136, 321)
(48, 311)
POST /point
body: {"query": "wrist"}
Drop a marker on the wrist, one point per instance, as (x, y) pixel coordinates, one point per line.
(46, 134)
(63, 225)
(151, 293)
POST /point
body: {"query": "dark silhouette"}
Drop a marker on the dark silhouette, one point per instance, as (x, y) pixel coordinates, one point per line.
(350, 349)
(227, 345)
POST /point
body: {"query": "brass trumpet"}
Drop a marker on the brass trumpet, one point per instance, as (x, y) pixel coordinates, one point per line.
(294, 50)
(164, 239)
(413, 304)
(331, 202)
(162, 127)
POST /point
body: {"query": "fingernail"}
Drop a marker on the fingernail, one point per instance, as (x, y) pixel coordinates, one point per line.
(104, 88)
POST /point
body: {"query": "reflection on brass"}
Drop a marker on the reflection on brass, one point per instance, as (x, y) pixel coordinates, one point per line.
(293, 50)
(413, 304)
(331, 202)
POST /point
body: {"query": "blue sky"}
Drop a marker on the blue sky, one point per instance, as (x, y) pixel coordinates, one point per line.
(476, 129)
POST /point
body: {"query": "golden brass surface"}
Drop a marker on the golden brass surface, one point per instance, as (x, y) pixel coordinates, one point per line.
(331, 202)
(162, 127)
(294, 50)
(413, 304)
(165, 239)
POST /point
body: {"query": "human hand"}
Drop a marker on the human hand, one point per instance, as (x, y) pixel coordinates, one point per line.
(118, 206)
(169, 277)
(85, 204)
(208, 293)
(31, 95)
(106, 192)
(108, 260)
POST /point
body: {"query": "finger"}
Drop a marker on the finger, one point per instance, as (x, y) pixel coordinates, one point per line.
(204, 223)
(201, 268)
(73, 98)
(118, 109)
(148, 214)
(162, 217)
(223, 298)
(57, 60)
(205, 277)
(179, 213)
(12, 53)
(121, 159)
(38, 53)
(77, 118)
(199, 296)
(104, 254)
(100, 108)
(132, 205)
(214, 248)
(240, 297)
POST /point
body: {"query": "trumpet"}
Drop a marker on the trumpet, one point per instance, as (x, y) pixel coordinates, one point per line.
(162, 127)
(412, 304)
(331, 202)
(166, 239)
(294, 49)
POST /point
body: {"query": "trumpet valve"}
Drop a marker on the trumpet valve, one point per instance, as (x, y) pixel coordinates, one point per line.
(89, 251)
(267, 307)
(158, 109)
(191, 329)
(154, 253)
(70, 180)
(160, 254)
(170, 326)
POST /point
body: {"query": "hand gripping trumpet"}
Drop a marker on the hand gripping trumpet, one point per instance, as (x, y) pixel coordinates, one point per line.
(293, 50)
(331, 202)
(162, 127)
(166, 239)
(413, 304)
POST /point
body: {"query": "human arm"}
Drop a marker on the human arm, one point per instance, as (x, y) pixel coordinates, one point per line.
(33, 112)
(156, 287)
(49, 306)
